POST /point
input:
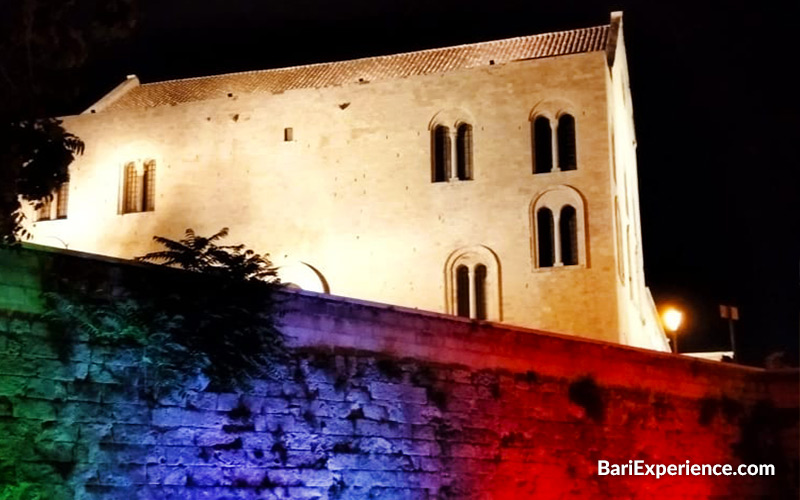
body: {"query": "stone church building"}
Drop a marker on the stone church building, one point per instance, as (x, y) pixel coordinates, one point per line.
(494, 181)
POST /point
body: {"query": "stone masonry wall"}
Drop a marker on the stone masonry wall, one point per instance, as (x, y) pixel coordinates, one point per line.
(372, 223)
(377, 402)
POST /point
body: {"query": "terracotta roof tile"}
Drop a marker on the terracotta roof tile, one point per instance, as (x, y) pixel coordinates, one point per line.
(369, 69)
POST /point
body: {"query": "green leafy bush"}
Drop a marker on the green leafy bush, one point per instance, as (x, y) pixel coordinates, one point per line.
(214, 325)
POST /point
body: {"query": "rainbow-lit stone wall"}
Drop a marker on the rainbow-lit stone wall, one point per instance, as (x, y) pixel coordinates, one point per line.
(376, 403)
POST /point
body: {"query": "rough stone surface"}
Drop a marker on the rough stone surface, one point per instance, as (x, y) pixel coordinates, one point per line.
(352, 424)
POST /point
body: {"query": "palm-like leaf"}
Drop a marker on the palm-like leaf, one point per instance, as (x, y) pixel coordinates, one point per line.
(202, 254)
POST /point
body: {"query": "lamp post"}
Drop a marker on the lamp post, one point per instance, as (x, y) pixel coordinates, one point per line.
(731, 313)
(672, 321)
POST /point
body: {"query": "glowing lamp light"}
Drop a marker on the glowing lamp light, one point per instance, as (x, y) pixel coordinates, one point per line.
(672, 319)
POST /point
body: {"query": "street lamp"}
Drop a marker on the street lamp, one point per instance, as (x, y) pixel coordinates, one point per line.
(731, 313)
(672, 321)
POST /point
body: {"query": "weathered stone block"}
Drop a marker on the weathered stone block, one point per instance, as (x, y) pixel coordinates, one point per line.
(34, 409)
(397, 392)
(202, 401)
(45, 389)
(58, 370)
(17, 366)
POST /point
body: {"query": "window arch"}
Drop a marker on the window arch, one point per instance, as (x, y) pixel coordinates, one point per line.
(62, 201)
(303, 276)
(129, 201)
(451, 146)
(472, 278)
(566, 143)
(480, 291)
(138, 187)
(553, 137)
(58, 198)
(464, 152)
(462, 291)
(558, 228)
(149, 186)
(568, 231)
(441, 153)
(542, 145)
(545, 237)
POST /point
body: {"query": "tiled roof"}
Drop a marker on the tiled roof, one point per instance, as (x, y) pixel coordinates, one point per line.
(369, 69)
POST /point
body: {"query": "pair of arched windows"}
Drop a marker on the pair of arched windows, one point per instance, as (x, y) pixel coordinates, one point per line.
(45, 210)
(566, 251)
(471, 291)
(448, 145)
(139, 187)
(559, 232)
(473, 283)
(553, 155)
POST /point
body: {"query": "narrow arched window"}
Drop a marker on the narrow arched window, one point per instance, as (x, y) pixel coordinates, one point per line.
(566, 143)
(542, 145)
(545, 237)
(441, 153)
(568, 233)
(464, 152)
(462, 291)
(62, 199)
(149, 186)
(129, 198)
(480, 291)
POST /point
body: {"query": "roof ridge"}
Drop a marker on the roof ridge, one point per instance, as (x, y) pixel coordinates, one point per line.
(365, 69)
(377, 57)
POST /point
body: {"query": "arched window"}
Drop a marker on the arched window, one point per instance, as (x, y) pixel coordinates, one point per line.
(557, 216)
(149, 186)
(464, 152)
(462, 291)
(568, 229)
(130, 189)
(553, 137)
(480, 291)
(566, 143)
(471, 291)
(452, 145)
(138, 187)
(59, 199)
(441, 153)
(545, 234)
(62, 201)
(303, 276)
(473, 284)
(542, 145)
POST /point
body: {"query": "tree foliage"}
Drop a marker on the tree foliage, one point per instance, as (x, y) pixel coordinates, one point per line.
(202, 254)
(216, 324)
(34, 160)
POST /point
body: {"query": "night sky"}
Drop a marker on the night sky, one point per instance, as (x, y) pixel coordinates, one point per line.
(715, 104)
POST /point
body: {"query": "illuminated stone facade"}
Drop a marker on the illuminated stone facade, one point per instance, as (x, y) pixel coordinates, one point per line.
(494, 180)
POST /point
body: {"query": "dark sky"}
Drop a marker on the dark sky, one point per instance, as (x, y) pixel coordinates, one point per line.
(714, 97)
